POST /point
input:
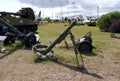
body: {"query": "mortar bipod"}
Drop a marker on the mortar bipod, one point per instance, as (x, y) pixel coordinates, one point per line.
(45, 52)
(76, 51)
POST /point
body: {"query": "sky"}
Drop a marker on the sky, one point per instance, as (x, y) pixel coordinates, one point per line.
(62, 8)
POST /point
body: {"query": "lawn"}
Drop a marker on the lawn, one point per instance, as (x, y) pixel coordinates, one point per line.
(51, 31)
(101, 65)
(101, 40)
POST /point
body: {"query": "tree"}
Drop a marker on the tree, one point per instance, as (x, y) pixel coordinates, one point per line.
(105, 21)
(48, 19)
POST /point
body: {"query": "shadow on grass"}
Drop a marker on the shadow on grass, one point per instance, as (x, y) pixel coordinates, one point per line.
(71, 48)
(81, 69)
(89, 54)
(11, 50)
(8, 53)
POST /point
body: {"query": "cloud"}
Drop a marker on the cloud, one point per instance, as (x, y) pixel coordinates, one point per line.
(86, 7)
(45, 3)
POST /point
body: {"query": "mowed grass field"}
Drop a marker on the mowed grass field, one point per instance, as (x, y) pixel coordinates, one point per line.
(101, 40)
(101, 65)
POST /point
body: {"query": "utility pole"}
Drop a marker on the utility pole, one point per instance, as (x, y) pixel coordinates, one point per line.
(97, 12)
(67, 8)
(52, 8)
(43, 8)
(33, 4)
(21, 3)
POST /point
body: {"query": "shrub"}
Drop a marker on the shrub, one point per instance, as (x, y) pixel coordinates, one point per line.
(115, 26)
(105, 21)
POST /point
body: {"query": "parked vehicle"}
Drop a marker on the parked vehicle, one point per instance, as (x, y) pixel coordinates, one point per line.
(23, 20)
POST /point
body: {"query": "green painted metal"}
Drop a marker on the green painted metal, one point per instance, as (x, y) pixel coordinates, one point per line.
(13, 29)
(61, 36)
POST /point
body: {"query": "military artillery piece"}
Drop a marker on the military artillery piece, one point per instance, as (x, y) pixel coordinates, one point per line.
(23, 20)
(28, 39)
(83, 46)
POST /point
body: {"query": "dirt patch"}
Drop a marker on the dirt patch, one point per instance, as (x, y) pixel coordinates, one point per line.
(20, 66)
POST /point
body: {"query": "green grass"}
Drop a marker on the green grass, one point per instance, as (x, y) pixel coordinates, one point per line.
(14, 46)
(49, 32)
(101, 40)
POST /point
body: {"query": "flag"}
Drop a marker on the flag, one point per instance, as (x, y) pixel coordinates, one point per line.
(73, 2)
(67, 1)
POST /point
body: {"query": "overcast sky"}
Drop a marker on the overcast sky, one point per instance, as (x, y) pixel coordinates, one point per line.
(59, 8)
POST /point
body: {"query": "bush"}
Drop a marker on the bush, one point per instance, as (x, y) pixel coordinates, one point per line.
(115, 26)
(105, 21)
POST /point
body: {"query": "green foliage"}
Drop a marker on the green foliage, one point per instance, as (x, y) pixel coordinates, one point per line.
(66, 19)
(15, 46)
(106, 20)
(48, 19)
(115, 26)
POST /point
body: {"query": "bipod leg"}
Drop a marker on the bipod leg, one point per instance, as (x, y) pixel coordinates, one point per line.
(75, 49)
(66, 44)
(76, 52)
(82, 62)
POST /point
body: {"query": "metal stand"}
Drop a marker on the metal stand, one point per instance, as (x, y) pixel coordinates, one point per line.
(76, 51)
(67, 47)
(42, 50)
